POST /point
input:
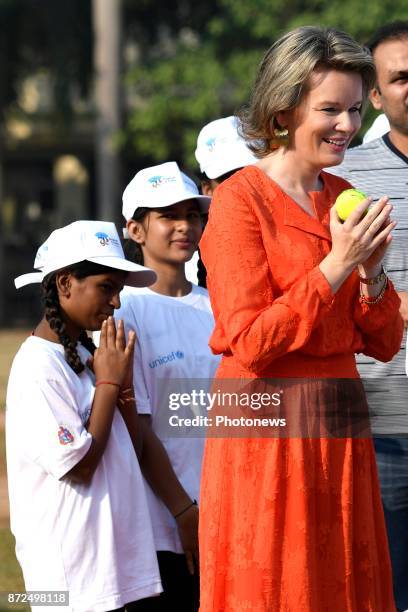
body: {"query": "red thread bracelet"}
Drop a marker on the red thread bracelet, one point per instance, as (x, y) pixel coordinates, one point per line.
(107, 382)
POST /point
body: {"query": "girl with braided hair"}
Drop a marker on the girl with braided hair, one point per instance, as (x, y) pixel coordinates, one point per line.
(53, 315)
(78, 508)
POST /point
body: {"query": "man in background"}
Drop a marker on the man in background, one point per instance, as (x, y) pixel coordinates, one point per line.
(380, 167)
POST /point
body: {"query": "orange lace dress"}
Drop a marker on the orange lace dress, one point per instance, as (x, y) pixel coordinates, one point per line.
(296, 524)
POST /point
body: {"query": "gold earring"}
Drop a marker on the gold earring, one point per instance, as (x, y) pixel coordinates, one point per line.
(281, 134)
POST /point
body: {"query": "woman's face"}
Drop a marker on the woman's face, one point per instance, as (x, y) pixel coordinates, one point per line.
(322, 126)
(170, 234)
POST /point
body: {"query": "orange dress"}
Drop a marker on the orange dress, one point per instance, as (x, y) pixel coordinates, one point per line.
(295, 524)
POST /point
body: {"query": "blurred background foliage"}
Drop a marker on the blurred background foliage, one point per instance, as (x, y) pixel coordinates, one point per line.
(184, 63)
(197, 62)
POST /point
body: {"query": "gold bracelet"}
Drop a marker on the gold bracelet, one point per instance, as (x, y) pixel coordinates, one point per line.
(374, 279)
(366, 300)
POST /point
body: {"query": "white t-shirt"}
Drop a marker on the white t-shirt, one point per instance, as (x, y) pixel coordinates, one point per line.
(94, 540)
(192, 269)
(379, 127)
(173, 335)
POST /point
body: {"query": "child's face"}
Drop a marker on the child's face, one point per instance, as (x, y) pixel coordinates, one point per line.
(170, 234)
(87, 302)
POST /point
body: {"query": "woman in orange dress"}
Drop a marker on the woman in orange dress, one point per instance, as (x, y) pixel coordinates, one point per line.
(295, 524)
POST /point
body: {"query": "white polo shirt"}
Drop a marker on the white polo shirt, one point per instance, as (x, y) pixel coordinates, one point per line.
(173, 335)
(94, 540)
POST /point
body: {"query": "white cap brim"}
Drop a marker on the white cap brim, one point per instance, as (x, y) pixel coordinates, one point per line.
(28, 279)
(229, 164)
(137, 276)
(203, 203)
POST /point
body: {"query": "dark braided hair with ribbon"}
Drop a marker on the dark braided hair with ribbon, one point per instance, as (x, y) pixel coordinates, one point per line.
(54, 316)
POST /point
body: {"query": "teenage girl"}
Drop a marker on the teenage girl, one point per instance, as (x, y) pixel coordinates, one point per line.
(173, 322)
(78, 508)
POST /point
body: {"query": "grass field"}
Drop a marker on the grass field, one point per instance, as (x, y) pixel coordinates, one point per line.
(10, 573)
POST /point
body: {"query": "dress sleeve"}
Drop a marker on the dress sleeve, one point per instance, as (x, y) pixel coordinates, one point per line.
(381, 325)
(256, 325)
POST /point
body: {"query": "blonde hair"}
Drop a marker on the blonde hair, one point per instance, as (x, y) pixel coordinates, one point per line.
(283, 78)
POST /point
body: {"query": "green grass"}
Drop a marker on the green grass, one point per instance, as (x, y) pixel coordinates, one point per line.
(11, 579)
(10, 573)
(10, 341)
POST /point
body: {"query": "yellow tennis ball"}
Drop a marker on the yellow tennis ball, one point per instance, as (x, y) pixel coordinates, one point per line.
(347, 201)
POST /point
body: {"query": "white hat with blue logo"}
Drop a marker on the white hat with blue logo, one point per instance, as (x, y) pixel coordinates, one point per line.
(95, 241)
(220, 148)
(160, 186)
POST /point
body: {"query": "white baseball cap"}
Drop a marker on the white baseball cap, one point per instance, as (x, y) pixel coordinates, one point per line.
(95, 241)
(221, 149)
(380, 126)
(160, 186)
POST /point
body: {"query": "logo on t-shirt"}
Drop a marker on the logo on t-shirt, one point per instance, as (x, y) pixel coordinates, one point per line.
(166, 359)
(65, 436)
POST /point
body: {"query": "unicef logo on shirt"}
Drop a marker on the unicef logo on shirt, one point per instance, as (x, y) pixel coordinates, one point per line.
(173, 356)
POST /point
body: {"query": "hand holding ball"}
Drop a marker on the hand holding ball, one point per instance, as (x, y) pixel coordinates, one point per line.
(347, 201)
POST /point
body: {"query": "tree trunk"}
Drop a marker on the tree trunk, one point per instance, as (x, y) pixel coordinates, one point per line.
(106, 22)
(3, 276)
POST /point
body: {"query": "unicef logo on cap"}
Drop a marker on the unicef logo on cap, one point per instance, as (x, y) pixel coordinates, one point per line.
(211, 143)
(103, 238)
(158, 180)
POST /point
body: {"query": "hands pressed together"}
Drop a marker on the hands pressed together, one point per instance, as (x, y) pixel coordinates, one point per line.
(113, 359)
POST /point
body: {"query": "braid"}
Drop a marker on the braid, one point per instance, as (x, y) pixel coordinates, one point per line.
(133, 251)
(55, 321)
(87, 342)
(201, 272)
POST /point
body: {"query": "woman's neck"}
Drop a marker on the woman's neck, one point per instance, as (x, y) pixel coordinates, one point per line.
(171, 279)
(291, 174)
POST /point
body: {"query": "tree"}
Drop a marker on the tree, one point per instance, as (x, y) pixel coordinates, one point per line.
(196, 62)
